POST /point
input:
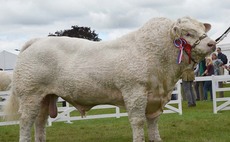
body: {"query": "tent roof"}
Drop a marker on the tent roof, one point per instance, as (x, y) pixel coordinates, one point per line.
(10, 51)
(7, 60)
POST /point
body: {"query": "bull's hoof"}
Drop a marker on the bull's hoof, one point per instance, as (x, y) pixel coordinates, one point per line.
(156, 140)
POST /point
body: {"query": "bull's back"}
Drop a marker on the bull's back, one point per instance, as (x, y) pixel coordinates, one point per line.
(65, 65)
(51, 56)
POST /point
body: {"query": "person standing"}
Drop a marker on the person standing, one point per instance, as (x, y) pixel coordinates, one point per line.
(208, 72)
(199, 84)
(188, 77)
(217, 63)
(221, 56)
(224, 59)
(227, 67)
(228, 70)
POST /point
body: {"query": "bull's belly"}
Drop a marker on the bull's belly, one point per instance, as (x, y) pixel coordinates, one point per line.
(84, 101)
(91, 97)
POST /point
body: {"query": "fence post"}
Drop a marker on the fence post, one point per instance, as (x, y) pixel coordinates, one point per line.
(68, 114)
(214, 94)
(179, 99)
(49, 122)
(117, 112)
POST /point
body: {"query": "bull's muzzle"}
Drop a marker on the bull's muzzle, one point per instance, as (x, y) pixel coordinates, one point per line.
(212, 45)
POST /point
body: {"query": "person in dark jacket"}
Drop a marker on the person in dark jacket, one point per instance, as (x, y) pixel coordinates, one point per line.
(221, 56)
(224, 59)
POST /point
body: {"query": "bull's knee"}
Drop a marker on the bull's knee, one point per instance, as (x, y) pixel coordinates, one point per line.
(155, 141)
(137, 121)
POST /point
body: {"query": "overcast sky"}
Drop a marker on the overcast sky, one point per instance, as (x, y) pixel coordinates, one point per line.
(21, 20)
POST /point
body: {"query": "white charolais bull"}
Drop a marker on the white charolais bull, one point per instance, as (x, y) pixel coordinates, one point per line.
(138, 71)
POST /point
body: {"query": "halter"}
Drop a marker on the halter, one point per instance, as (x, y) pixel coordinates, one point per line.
(183, 45)
(198, 41)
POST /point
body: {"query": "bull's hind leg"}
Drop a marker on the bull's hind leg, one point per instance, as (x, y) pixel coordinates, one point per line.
(153, 131)
(29, 109)
(40, 123)
(135, 101)
(48, 106)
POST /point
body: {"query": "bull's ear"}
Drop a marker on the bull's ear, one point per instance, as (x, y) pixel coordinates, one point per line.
(207, 27)
(176, 31)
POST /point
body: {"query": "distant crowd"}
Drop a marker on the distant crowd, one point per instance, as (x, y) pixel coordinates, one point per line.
(215, 64)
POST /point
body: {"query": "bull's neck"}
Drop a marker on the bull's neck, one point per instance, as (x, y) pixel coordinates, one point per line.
(164, 64)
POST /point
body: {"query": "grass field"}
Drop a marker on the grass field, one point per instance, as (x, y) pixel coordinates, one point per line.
(197, 124)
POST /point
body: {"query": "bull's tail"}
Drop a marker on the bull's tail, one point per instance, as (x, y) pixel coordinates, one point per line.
(11, 108)
(28, 44)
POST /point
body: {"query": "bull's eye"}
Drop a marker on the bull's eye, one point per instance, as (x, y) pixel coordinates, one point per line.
(188, 34)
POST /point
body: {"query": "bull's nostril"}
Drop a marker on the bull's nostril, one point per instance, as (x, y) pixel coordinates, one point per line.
(211, 44)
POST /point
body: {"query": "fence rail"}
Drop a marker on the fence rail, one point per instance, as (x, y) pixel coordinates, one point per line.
(64, 112)
(174, 106)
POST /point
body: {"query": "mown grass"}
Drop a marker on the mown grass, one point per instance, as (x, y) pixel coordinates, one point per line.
(196, 124)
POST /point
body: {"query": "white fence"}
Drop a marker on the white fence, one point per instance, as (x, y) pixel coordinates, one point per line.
(218, 103)
(178, 102)
(64, 113)
(174, 106)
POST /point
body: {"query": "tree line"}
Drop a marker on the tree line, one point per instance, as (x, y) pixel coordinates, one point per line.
(78, 32)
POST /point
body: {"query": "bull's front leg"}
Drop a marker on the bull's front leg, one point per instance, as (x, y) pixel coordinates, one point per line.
(135, 101)
(153, 132)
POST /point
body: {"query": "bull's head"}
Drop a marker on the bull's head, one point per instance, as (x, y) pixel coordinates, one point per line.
(194, 33)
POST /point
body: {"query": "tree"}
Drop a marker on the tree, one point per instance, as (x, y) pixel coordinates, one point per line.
(79, 32)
